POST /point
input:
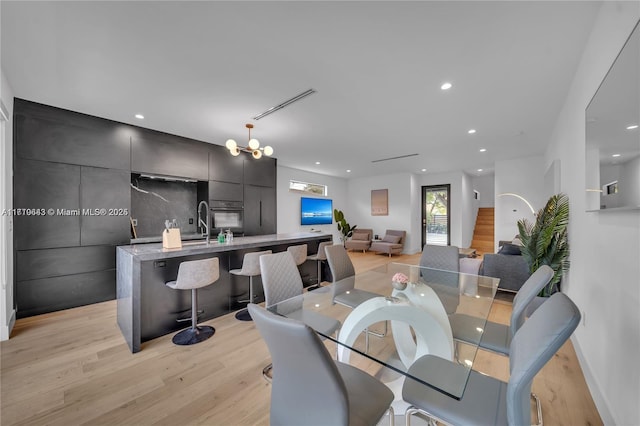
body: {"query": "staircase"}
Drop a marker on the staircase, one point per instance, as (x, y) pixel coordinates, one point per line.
(483, 232)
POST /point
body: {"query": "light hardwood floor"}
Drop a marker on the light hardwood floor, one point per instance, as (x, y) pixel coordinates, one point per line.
(74, 368)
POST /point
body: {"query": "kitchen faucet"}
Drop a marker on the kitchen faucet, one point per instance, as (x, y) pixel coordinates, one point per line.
(201, 223)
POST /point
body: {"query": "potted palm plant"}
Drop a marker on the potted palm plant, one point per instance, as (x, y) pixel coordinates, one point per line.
(545, 241)
(343, 226)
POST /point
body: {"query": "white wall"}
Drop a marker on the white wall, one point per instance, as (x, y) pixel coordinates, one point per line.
(469, 210)
(289, 201)
(401, 189)
(524, 177)
(7, 313)
(604, 279)
(486, 187)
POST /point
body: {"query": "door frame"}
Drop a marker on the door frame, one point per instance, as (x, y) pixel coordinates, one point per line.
(424, 190)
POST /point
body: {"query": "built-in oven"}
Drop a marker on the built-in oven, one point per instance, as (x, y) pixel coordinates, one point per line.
(227, 215)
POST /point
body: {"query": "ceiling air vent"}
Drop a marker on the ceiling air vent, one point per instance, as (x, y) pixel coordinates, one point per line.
(284, 104)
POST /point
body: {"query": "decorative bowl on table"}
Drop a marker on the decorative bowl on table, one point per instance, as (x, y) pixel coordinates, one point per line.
(399, 281)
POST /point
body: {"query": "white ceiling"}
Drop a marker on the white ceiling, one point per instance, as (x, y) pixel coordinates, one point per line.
(203, 69)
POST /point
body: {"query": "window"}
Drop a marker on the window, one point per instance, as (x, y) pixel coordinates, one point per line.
(309, 188)
(611, 188)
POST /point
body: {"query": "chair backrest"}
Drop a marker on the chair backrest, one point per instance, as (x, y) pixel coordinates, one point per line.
(299, 253)
(536, 282)
(339, 262)
(446, 258)
(300, 360)
(322, 255)
(363, 232)
(401, 234)
(251, 263)
(280, 277)
(534, 344)
(197, 273)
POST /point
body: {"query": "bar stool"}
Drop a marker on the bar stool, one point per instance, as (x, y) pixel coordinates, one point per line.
(192, 275)
(299, 253)
(250, 268)
(319, 257)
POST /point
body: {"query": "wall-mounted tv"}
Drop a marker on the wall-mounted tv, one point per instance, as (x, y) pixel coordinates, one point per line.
(316, 211)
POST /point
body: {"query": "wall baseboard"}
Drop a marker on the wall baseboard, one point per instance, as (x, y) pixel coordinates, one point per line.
(599, 399)
(5, 331)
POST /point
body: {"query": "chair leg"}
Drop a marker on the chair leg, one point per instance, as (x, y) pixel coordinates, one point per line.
(243, 314)
(411, 410)
(267, 373)
(193, 334)
(538, 408)
(392, 416)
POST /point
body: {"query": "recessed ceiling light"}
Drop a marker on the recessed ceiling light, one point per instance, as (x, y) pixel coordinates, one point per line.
(348, 170)
(616, 155)
(446, 86)
(633, 126)
(424, 170)
(479, 170)
(471, 131)
(139, 116)
(483, 149)
(317, 162)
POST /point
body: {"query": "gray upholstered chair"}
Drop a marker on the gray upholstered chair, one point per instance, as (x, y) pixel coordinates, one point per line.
(342, 394)
(391, 243)
(319, 257)
(250, 268)
(193, 275)
(344, 292)
(281, 281)
(360, 240)
(489, 401)
(446, 285)
(497, 337)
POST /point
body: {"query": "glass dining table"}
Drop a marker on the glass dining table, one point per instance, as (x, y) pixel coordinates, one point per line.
(390, 325)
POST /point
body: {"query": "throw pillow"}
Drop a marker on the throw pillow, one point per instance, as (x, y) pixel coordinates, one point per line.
(360, 236)
(393, 239)
(510, 249)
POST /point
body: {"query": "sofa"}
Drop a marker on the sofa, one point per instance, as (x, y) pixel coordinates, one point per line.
(508, 265)
(391, 243)
(360, 240)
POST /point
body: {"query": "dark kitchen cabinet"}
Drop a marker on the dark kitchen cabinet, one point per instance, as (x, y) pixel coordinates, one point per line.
(105, 200)
(225, 191)
(223, 166)
(57, 262)
(261, 172)
(259, 210)
(53, 134)
(162, 154)
(44, 295)
(52, 189)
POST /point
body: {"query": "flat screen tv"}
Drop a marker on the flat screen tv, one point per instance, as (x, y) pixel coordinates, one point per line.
(316, 211)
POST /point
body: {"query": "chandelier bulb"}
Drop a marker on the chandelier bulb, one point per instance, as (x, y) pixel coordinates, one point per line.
(257, 154)
(254, 144)
(231, 144)
(235, 151)
(268, 151)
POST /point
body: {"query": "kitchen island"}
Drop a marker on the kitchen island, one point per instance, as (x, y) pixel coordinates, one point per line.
(147, 308)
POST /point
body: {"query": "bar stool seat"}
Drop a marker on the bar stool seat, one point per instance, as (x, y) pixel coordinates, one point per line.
(299, 253)
(250, 268)
(193, 275)
(319, 257)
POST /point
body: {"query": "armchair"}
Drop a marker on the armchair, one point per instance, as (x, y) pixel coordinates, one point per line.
(360, 240)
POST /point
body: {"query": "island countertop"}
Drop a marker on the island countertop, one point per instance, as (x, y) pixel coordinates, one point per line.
(147, 308)
(155, 251)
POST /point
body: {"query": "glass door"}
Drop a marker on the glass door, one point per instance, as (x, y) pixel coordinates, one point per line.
(436, 222)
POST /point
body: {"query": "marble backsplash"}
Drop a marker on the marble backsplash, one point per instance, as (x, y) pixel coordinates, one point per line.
(155, 201)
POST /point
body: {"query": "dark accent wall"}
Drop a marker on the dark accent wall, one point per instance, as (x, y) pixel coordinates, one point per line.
(77, 164)
(163, 200)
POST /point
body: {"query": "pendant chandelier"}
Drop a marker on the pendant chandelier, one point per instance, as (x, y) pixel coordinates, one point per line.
(253, 147)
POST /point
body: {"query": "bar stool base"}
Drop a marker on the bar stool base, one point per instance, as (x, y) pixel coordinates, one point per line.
(243, 315)
(190, 336)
